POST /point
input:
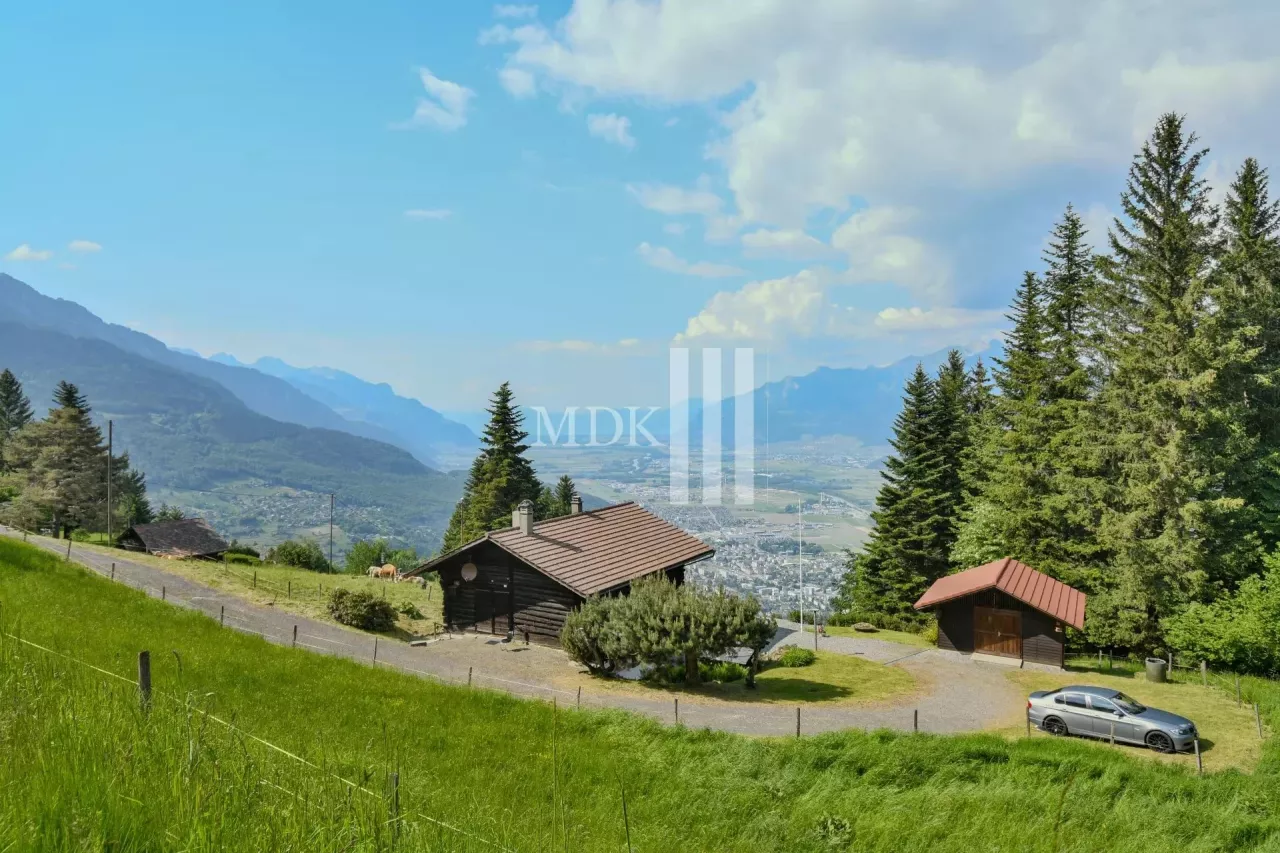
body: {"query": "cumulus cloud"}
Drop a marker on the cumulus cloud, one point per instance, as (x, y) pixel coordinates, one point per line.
(84, 246)
(879, 249)
(26, 253)
(664, 259)
(518, 82)
(763, 311)
(785, 243)
(515, 11)
(611, 128)
(421, 213)
(675, 229)
(932, 319)
(676, 201)
(445, 106)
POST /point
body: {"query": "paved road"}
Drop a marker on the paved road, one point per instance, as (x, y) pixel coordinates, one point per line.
(957, 694)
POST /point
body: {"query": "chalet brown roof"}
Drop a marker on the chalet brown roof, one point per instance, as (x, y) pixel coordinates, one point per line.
(189, 537)
(1036, 589)
(592, 552)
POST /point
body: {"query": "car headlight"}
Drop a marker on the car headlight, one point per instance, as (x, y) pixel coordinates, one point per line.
(1184, 730)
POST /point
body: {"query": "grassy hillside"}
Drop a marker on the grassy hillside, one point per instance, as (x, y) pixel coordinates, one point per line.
(190, 433)
(95, 774)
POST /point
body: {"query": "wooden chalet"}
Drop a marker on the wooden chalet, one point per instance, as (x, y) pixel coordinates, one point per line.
(526, 578)
(1007, 609)
(189, 537)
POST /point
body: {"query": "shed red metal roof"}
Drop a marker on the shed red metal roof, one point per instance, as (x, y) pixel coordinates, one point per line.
(1035, 589)
(591, 552)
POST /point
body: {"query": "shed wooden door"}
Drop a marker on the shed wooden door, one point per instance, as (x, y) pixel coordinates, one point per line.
(997, 632)
(493, 609)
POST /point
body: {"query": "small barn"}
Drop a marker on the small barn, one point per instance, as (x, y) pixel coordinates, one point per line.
(189, 537)
(1006, 609)
(528, 577)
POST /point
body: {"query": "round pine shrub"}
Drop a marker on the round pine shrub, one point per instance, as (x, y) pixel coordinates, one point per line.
(362, 610)
(796, 656)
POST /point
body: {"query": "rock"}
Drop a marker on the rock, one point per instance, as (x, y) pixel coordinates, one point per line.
(865, 627)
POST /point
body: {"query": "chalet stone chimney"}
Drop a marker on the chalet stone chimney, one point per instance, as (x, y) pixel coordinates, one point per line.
(575, 504)
(523, 517)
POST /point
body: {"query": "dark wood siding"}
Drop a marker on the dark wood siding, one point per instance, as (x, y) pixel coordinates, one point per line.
(1041, 642)
(506, 595)
(955, 625)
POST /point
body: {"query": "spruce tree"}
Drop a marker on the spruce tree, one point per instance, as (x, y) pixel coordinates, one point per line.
(500, 477)
(562, 499)
(15, 410)
(906, 551)
(951, 427)
(68, 396)
(1166, 433)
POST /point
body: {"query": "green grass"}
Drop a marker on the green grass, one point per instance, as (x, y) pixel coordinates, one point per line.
(294, 590)
(85, 775)
(831, 678)
(901, 637)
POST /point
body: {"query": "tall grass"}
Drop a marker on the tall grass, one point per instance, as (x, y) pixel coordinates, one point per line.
(82, 767)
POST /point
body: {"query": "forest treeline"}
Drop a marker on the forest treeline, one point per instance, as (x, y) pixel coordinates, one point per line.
(1127, 442)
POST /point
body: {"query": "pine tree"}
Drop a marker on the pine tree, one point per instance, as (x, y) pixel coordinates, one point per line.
(15, 410)
(500, 477)
(562, 499)
(1168, 437)
(951, 427)
(68, 396)
(906, 551)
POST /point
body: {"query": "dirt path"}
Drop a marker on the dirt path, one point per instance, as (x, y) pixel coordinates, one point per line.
(959, 695)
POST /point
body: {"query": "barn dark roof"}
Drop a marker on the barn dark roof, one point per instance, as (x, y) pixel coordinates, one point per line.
(190, 537)
(591, 552)
(1036, 589)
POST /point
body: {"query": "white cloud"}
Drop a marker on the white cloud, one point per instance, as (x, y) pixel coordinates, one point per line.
(444, 107)
(931, 319)
(664, 259)
(878, 250)
(627, 346)
(84, 246)
(889, 101)
(518, 82)
(515, 11)
(611, 128)
(676, 201)
(763, 311)
(26, 253)
(437, 213)
(786, 243)
(675, 229)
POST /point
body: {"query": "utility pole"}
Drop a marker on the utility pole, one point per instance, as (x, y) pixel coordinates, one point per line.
(110, 436)
(331, 531)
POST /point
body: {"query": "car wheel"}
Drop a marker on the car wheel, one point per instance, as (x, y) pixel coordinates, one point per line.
(1160, 742)
(1054, 726)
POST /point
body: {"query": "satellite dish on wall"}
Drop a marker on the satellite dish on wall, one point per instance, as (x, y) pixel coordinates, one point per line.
(469, 571)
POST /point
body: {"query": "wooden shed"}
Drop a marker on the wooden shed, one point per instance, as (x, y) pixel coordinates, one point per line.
(526, 578)
(1007, 609)
(189, 537)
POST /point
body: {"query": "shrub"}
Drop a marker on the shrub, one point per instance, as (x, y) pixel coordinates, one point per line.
(244, 550)
(591, 637)
(242, 559)
(796, 656)
(723, 671)
(301, 555)
(79, 535)
(409, 609)
(930, 632)
(884, 621)
(361, 610)
(1240, 631)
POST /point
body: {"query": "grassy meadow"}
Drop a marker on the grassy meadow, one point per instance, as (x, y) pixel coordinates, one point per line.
(82, 768)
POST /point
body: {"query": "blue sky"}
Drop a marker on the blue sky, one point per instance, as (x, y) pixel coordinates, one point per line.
(583, 185)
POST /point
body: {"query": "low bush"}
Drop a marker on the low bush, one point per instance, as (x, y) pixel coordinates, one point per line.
(796, 656)
(722, 671)
(300, 555)
(242, 559)
(79, 535)
(362, 610)
(883, 621)
(408, 608)
(244, 550)
(930, 632)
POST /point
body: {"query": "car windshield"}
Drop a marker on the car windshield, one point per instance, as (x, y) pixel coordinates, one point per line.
(1128, 704)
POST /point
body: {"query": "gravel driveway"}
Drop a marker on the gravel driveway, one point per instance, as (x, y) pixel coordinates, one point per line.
(956, 694)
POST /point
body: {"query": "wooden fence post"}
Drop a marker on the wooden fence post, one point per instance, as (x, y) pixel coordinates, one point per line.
(295, 636)
(579, 695)
(68, 557)
(1113, 732)
(1028, 722)
(289, 593)
(469, 669)
(375, 649)
(1257, 718)
(915, 720)
(1204, 673)
(395, 805)
(255, 579)
(797, 721)
(164, 593)
(113, 571)
(1199, 762)
(677, 710)
(222, 615)
(144, 679)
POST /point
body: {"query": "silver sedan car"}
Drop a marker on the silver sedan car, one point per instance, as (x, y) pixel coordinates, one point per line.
(1103, 713)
